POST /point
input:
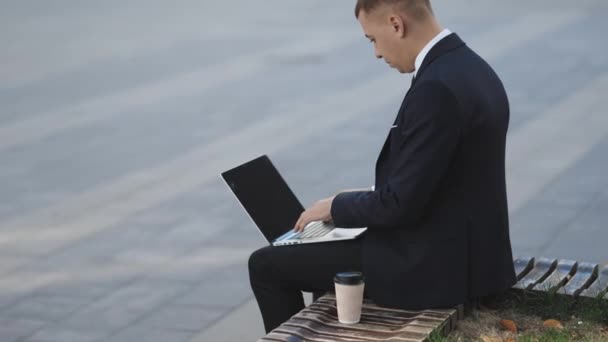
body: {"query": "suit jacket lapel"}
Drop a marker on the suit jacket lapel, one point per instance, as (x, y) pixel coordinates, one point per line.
(444, 46)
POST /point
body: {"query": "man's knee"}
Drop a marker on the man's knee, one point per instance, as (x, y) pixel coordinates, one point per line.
(260, 261)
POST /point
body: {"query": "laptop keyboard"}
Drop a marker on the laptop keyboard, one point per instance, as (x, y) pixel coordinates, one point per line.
(314, 230)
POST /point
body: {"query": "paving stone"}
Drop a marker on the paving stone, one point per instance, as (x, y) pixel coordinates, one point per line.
(6, 300)
(183, 318)
(150, 334)
(89, 289)
(226, 288)
(582, 233)
(109, 319)
(9, 263)
(45, 308)
(123, 307)
(210, 257)
(537, 221)
(15, 329)
(62, 334)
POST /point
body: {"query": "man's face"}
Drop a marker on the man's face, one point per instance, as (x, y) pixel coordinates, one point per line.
(386, 30)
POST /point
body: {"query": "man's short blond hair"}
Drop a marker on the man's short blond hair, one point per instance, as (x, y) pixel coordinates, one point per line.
(418, 9)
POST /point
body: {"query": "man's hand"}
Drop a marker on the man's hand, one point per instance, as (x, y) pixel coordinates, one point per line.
(320, 211)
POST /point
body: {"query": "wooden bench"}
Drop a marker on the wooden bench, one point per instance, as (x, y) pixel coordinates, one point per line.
(564, 277)
(319, 321)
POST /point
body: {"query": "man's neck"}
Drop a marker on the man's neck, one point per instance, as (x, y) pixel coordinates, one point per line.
(425, 32)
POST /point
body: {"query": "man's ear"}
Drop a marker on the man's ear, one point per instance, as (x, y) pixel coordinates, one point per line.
(397, 25)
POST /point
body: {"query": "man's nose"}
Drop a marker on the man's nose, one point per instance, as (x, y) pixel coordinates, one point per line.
(377, 53)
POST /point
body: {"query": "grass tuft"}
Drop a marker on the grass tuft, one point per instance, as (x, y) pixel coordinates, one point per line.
(546, 336)
(437, 336)
(585, 319)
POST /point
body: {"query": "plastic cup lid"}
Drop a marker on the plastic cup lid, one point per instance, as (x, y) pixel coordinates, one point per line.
(349, 278)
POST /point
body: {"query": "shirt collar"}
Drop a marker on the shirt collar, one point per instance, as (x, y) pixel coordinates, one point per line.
(428, 47)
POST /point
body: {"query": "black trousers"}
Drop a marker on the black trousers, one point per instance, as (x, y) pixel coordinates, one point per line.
(278, 275)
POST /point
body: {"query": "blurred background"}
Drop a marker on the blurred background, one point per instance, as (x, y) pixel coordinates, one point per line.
(118, 116)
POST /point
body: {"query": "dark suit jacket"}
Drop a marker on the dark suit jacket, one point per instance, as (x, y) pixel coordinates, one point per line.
(438, 228)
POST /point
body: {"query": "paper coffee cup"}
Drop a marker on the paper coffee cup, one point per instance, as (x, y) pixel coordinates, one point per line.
(349, 296)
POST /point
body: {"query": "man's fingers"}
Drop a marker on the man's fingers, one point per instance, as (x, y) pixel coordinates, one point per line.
(317, 212)
(303, 224)
(300, 224)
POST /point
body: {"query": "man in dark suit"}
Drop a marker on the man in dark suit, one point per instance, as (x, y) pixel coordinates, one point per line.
(437, 218)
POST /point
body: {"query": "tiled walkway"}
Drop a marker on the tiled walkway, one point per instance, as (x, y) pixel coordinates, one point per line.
(117, 118)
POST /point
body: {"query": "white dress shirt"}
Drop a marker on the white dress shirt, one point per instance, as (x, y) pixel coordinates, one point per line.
(428, 47)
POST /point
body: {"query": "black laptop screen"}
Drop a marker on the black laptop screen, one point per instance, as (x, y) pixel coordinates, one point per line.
(265, 196)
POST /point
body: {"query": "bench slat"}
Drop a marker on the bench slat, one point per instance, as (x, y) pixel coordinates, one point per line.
(564, 270)
(377, 321)
(291, 336)
(542, 269)
(523, 265)
(585, 274)
(343, 330)
(389, 315)
(599, 285)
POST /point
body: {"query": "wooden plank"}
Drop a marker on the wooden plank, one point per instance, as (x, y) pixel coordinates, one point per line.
(523, 265)
(390, 315)
(564, 270)
(354, 331)
(444, 320)
(585, 274)
(420, 320)
(599, 285)
(370, 305)
(542, 269)
(279, 335)
(386, 321)
(319, 323)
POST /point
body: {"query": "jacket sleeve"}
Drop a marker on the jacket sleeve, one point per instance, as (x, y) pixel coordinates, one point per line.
(428, 134)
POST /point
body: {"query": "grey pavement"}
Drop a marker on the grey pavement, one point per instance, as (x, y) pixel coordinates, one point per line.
(118, 116)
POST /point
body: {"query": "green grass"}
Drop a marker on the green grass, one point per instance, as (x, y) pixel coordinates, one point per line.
(584, 319)
(437, 336)
(593, 311)
(546, 336)
(549, 305)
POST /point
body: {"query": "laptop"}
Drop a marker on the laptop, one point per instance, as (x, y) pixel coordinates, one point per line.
(273, 207)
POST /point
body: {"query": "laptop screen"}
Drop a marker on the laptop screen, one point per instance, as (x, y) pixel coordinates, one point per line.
(265, 196)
